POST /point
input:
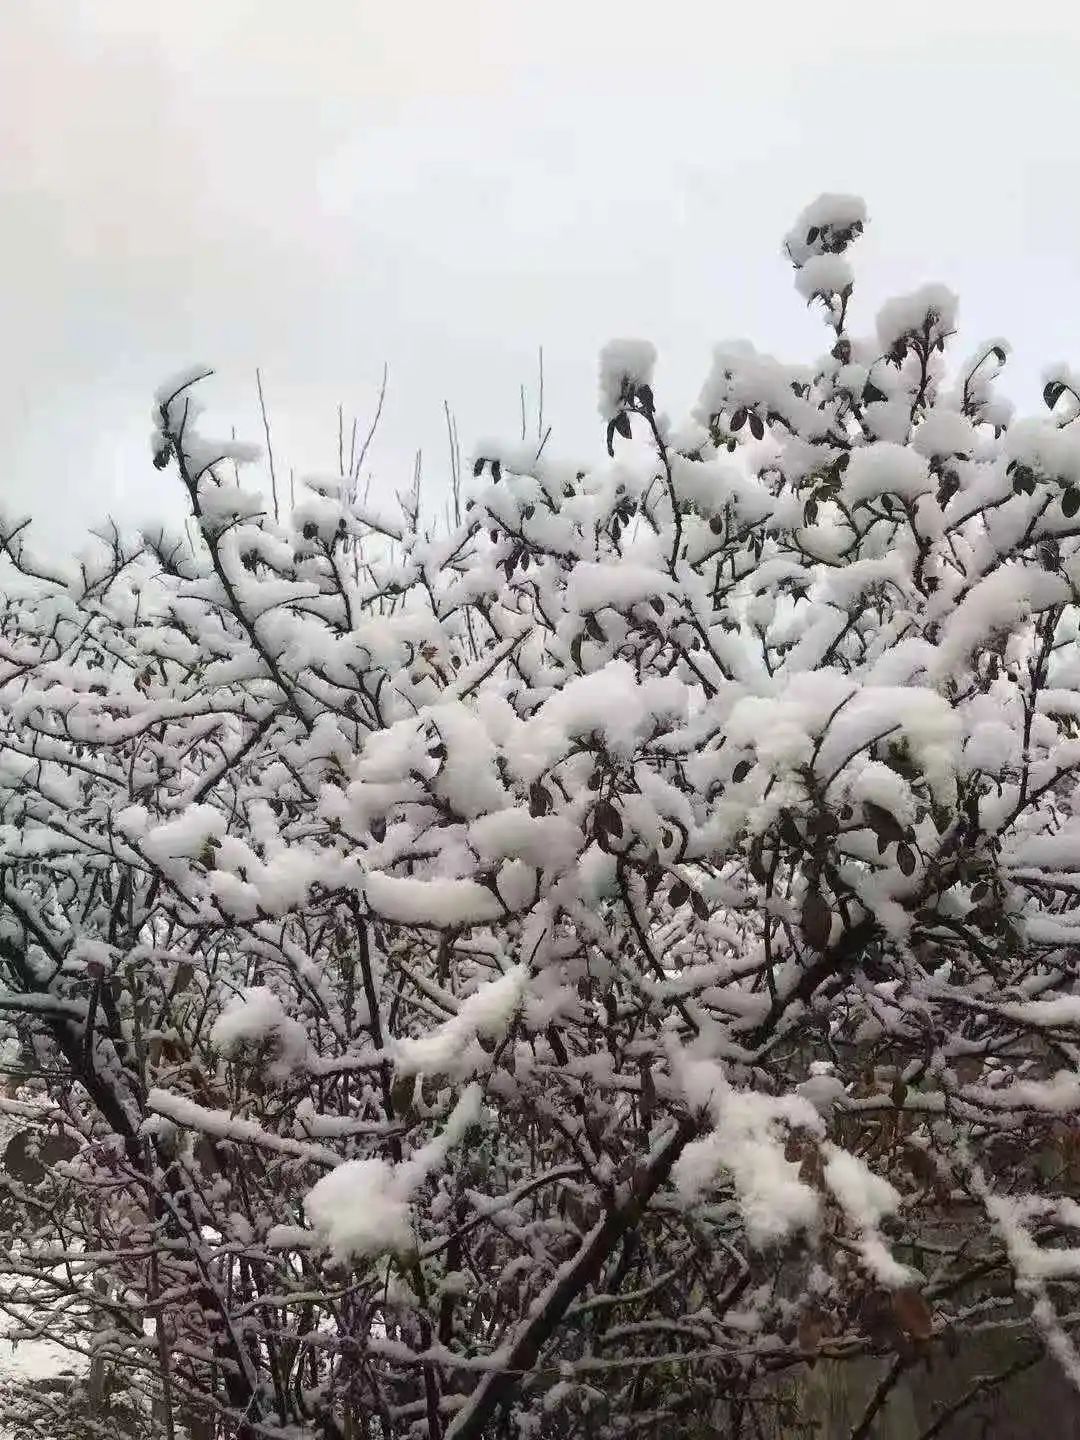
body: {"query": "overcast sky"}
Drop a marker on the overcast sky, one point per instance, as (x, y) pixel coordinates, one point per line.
(443, 185)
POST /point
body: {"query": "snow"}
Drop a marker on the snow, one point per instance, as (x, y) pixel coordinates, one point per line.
(747, 1144)
(824, 275)
(997, 602)
(866, 1199)
(358, 1211)
(908, 314)
(1050, 451)
(186, 836)
(467, 777)
(837, 210)
(452, 1048)
(825, 218)
(611, 702)
(885, 468)
(623, 363)
(1061, 1011)
(944, 433)
(591, 587)
(883, 786)
(254, 1019)
(180, 381)
(547, 841)
(362, 1208)
(209, 1121)
(438, 902)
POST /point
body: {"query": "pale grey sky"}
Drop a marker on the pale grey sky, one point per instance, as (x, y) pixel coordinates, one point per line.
(316, 188)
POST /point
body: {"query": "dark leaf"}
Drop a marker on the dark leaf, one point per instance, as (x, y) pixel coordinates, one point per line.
(679, 894)
(999, 354)
(539, 800)
(653, 877)
(478, 467)
(403, 1096)
(738, 420)
(1052, 393)
(1070, 501)
(699, 905)
(18, 1160)
(912, 1314)
(59, 1146)
(742, 770)
(496, 470)
(608, 819)
(594, 630)
(816, 920)
(757, 427)
(883, 822)
(812, 234)
(610, 448)
(622, 424)
(647, 1103)
(645, 395)
(905, 858)
(657, 604)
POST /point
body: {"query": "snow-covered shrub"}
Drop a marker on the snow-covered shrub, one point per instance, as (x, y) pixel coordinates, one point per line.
(561, 971)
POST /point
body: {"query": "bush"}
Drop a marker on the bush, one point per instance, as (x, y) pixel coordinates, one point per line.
(562, 970)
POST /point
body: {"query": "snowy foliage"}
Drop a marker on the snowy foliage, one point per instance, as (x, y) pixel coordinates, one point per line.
(625, 935)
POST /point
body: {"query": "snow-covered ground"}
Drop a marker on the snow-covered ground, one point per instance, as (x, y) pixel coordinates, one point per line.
(33, 1359)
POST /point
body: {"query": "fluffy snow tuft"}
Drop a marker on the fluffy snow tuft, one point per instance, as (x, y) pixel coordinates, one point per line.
(908, 314)
(885, 468)
(623, 363)
(824, 275)
(255, 1019)
(452, 1048)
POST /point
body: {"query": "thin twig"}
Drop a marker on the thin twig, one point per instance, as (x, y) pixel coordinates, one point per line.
(879, 1397)
(269, 446)
(374, 424)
